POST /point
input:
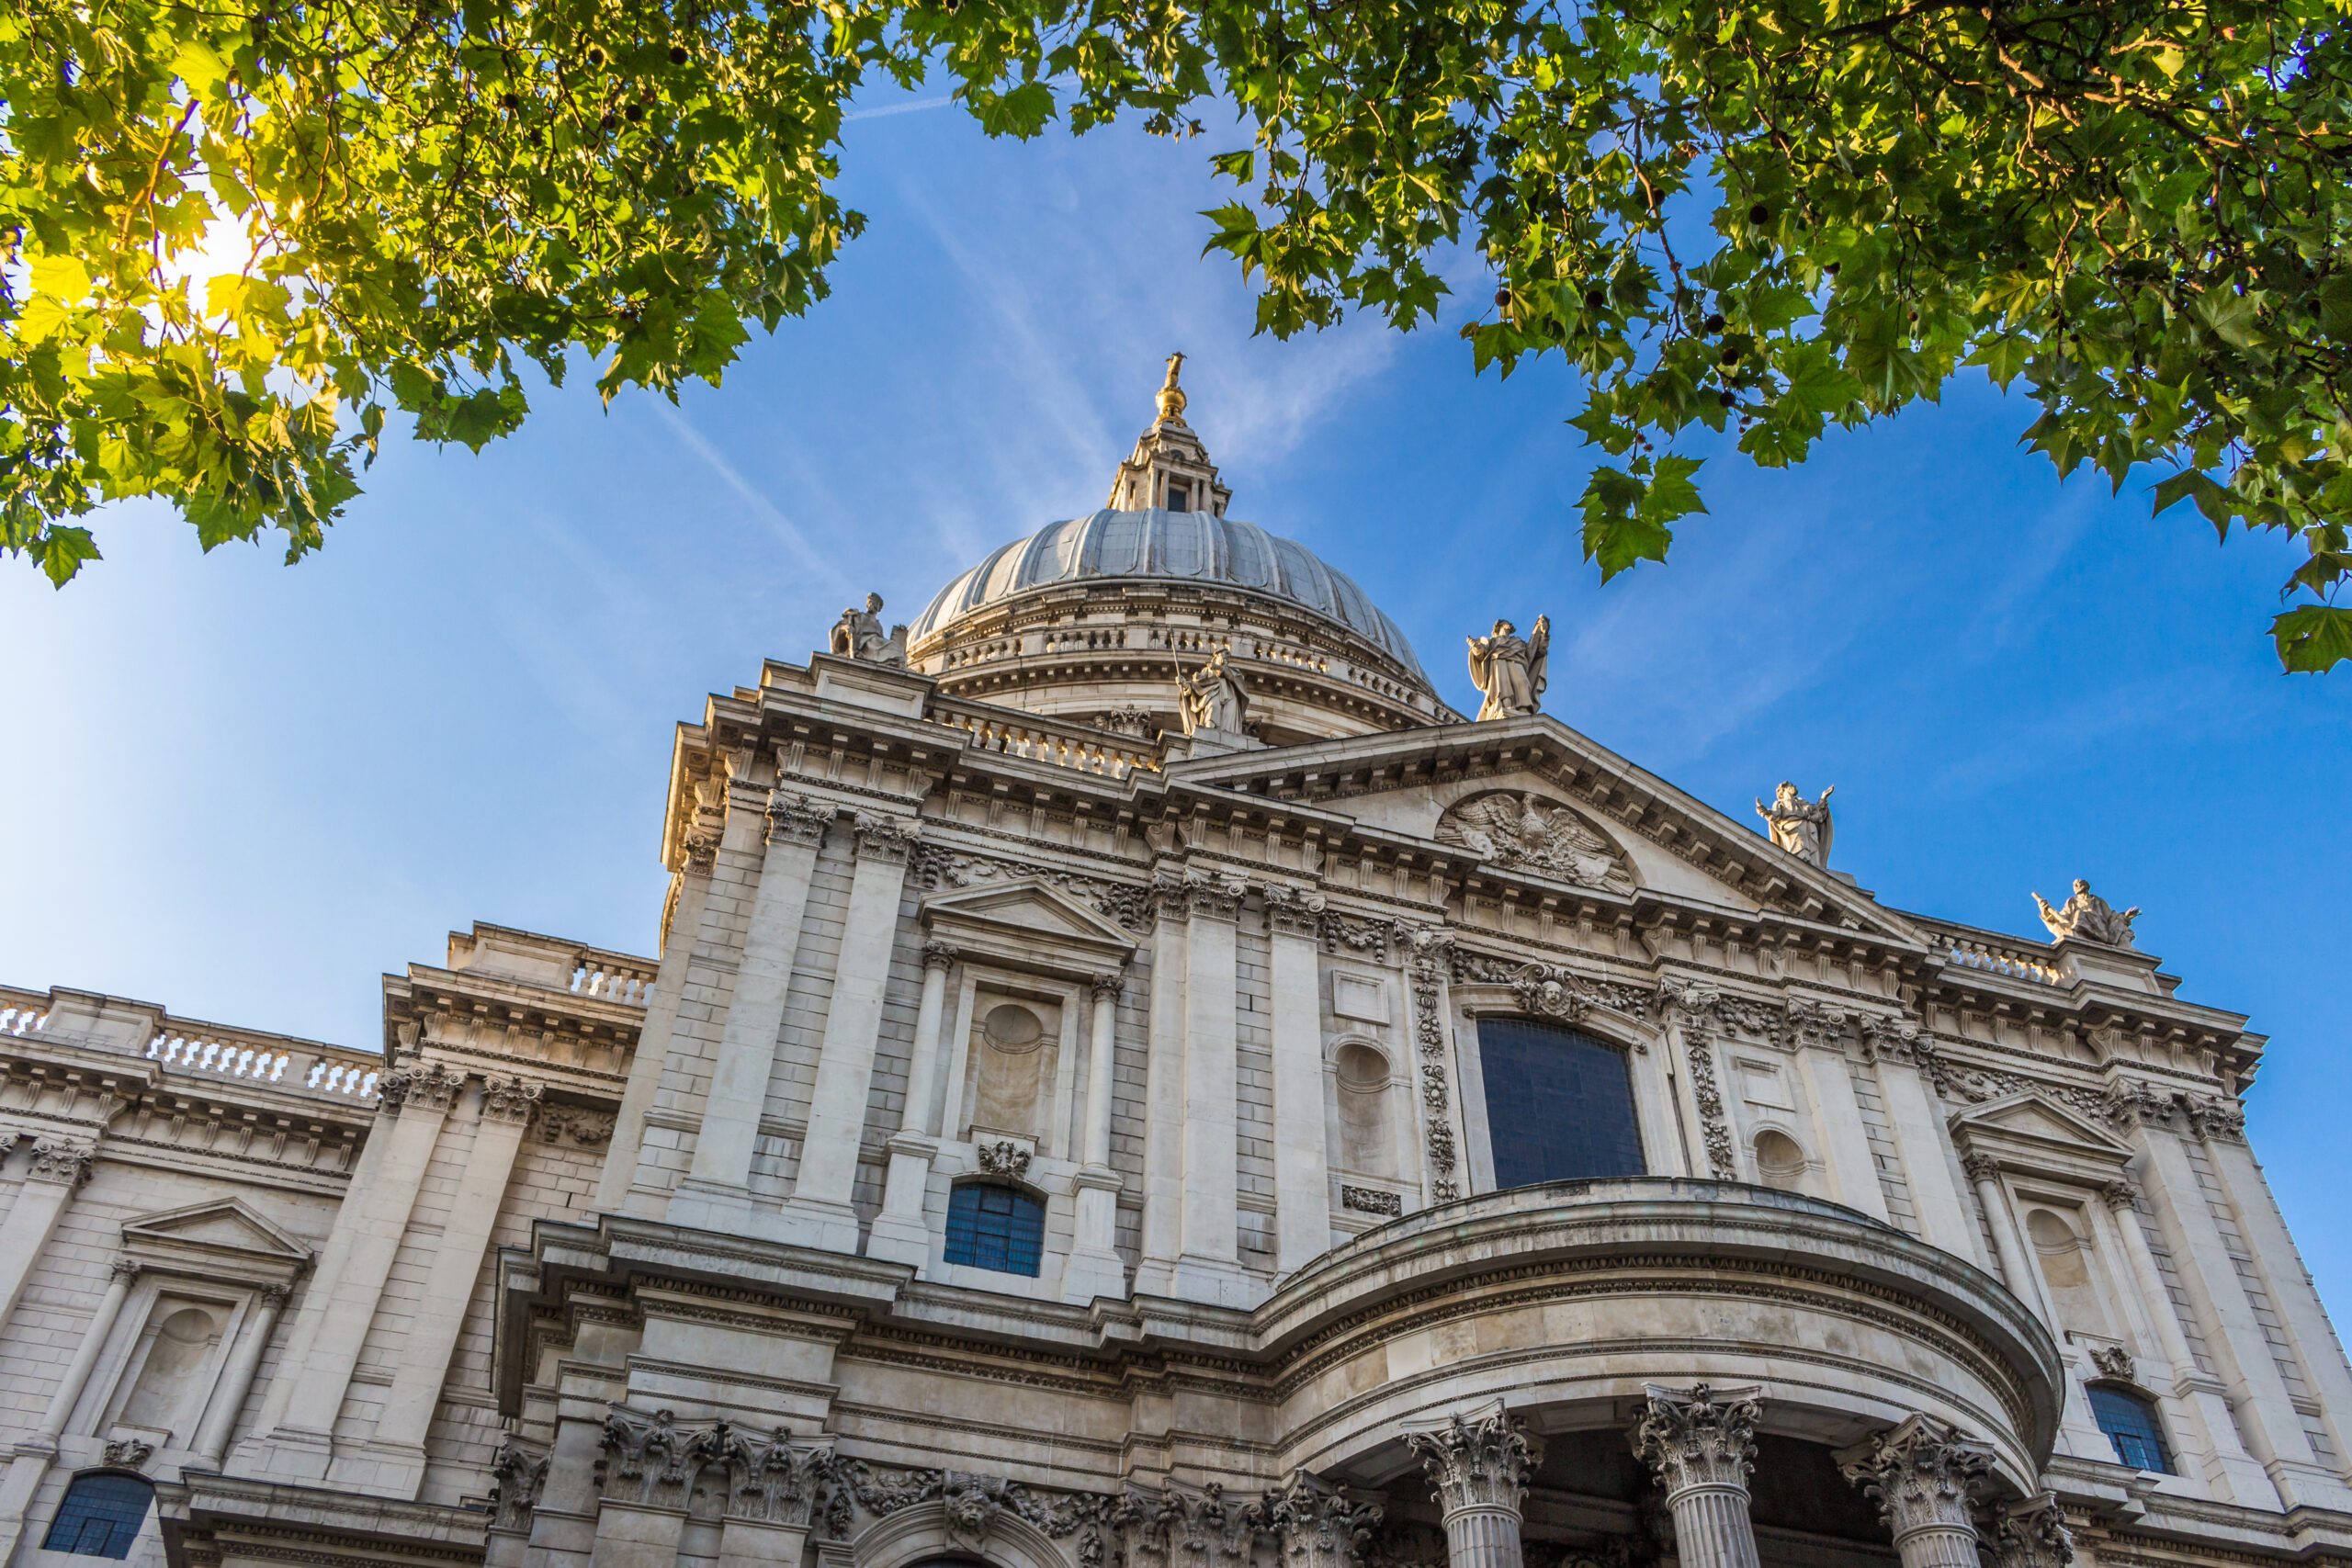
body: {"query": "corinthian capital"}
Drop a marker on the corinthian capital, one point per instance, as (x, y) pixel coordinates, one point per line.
(883, 837)
(797, 819)
(54, 1159)
(1478, 1461)
(1701, 1435)
(2034, 1534)
(512, 1100)
(1318, 1528)
(1920, 1472)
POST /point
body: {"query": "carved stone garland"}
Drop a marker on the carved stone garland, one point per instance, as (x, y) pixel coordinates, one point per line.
(1695, 1008)
(1548, 991)
(1429, 1033)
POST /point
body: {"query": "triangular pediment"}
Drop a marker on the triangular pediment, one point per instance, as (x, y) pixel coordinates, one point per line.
(1029, 905)
(1435, 782)
(2031, 1118)
(224, 1227)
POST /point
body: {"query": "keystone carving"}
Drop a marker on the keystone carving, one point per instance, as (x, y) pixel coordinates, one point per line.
(127, 1453)
(1920, 1473)
(1701, 1436)
(2113, 1362)
(1005, 1157)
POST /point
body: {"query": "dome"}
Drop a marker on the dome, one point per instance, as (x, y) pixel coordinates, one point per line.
(1165, 545)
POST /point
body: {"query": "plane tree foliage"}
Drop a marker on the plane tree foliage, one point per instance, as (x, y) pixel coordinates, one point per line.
(241, 237)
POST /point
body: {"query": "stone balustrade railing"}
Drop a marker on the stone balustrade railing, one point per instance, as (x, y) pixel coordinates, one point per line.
(1087, 752)
(1973, 952)
(204, 1050)
(22, 1013)
(613, 977)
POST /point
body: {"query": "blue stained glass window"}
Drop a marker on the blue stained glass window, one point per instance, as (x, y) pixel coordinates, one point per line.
(2130, 1424)
(990, 1225)
(1559, 1104)
(100, 1516)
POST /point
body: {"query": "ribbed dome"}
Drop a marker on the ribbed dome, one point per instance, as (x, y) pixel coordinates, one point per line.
(1195, 547)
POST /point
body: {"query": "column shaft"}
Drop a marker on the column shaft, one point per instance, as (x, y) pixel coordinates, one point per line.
(1163, 1150)
(1482, 1537)
(237, 1382)
(1212, 1132)
(86, 1355)
(1711, 1528)
(2025, 1281)
(901, 1232)
(1102, 1066)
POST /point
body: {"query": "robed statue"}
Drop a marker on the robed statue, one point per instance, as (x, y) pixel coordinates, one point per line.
(2087, 917)
(1801, 827)
(1507, 668)
(1210, 698)
(859, 634)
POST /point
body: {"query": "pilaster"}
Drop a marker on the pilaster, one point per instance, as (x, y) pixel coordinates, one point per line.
(716, 1193)
(1208, 1267)
(1302, 1168)
(1094, 1269)
(58, 1169)
(901, 1232)
(392, 1461)
(818, 1214)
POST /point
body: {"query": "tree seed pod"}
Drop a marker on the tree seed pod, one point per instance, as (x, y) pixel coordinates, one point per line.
(1759, 215)
(1726, 398)
(1594, 298)
(677, 54)
(1714, 324)
(634, 113)
(596, 57)
(1730, 354)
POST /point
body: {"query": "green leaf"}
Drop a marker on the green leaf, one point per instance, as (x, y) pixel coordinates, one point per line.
(2312, 638)
(1620, 529)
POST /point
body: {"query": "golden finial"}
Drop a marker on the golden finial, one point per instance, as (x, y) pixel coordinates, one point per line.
(1172, 396)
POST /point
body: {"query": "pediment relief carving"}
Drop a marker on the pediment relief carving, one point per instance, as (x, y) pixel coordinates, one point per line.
(1027, 925)
(222, 1234)
(1522, 831)
(2029, 1128)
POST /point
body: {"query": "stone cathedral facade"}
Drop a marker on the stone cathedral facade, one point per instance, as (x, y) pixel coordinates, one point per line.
(1131, 1079)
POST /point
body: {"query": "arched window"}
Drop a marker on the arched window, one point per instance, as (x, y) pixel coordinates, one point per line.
(991, 1225)
(1559, 1104)
(100, 1516)
(2131, 1423)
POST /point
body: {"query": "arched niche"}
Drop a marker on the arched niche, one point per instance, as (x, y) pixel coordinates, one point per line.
(923, 1533)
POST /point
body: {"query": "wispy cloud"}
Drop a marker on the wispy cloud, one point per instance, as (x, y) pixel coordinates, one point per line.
(763, 508)
(887, 109)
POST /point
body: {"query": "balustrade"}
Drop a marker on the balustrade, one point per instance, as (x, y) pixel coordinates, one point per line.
(1085, 754)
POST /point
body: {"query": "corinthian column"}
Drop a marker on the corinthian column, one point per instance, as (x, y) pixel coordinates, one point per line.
(1480, 1463)
(1920, 1475)
(1699, 1442)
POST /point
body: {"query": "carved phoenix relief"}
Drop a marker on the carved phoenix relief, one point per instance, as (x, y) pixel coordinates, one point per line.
(1522, 831)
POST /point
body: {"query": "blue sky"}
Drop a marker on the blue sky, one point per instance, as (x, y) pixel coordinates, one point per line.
(245, 791)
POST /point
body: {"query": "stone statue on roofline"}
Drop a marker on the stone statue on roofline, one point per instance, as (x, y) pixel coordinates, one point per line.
(1211, 698)
(1801, 827)
(2087, 916)
(1507, 668)
(859, 634)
